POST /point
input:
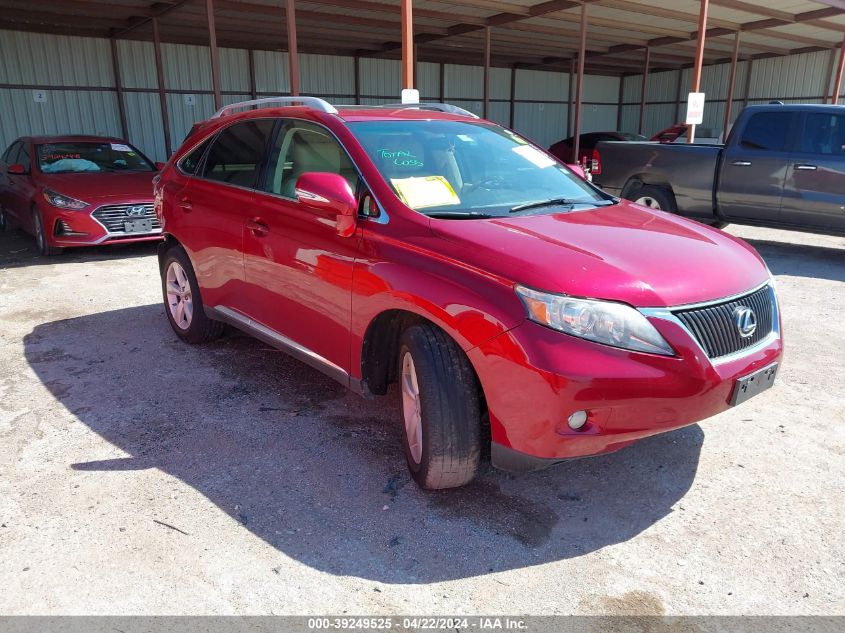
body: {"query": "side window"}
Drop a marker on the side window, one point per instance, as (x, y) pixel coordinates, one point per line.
(302, 147)
(236, 154)
(24, 159)
(189, 163)
(11, 153)
(823, 134)
(767, 131)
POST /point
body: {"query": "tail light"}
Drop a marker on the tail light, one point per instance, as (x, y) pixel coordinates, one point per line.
(595, 163)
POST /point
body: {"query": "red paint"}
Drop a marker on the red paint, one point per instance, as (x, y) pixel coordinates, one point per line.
(21, 193)
(285, 264)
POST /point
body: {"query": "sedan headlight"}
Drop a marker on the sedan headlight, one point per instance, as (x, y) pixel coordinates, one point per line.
(606, 322)
(63, 202)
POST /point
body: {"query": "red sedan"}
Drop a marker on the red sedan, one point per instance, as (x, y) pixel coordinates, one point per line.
(78, 191)
(512, 302)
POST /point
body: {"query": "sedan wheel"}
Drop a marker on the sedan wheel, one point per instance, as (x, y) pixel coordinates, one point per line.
(179, 298)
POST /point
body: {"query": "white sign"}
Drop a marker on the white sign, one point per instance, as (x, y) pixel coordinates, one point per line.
(410, 95)
(695, 108)
(39, 96)
(190, 100)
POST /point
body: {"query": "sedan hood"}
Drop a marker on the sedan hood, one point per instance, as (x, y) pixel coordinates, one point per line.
(622, 252)
(128, 187)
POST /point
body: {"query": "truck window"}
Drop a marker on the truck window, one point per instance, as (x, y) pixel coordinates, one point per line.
(767, 131)
(823, 134)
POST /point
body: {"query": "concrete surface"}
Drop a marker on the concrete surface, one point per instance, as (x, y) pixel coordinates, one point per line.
(139, 475)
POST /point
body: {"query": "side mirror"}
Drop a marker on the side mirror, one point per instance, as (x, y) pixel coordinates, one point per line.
(16, 170)
(159, 165)
(578, 169)
(330, 193)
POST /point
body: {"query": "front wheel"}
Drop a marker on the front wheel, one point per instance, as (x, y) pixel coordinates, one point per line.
(41, 239)
(440, 409)
(182, 300)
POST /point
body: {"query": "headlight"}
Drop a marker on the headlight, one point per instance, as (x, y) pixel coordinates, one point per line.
(606, 322)
(63, 202)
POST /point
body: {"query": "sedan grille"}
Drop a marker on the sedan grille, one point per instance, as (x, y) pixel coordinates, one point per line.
(114, 216)
(717, 329)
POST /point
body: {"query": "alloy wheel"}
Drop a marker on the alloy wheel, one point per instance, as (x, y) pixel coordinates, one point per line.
(411, 407)
(179, 298)
(648, 201)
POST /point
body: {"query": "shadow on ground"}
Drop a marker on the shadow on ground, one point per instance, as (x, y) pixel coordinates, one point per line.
(18, 250)
(802, 260)
(310, 468)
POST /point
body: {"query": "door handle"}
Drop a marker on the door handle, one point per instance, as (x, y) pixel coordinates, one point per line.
(259, 229)
(741, 163)
(806, 167)
(186, 205)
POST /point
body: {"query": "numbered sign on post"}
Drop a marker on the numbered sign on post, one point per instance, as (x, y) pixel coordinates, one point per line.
(695, 108)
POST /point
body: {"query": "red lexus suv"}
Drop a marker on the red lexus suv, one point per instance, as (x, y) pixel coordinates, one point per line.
(515, 304)
(78, 191)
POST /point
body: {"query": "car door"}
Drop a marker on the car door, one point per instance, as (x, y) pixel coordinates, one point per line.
(19, 187)
(753, 169)
(814, 193)
(215, 203)
(9, 157)
(298, 269)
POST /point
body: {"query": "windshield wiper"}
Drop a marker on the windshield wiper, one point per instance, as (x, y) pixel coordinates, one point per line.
(459, 214)
(545, 203)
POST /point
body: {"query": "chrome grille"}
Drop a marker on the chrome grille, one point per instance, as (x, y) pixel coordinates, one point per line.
(715, 328)
(113, 216)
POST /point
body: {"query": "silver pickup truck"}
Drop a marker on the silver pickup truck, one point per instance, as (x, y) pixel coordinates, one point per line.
(782, 166)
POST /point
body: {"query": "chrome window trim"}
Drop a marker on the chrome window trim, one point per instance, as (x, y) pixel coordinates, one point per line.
(667, 314)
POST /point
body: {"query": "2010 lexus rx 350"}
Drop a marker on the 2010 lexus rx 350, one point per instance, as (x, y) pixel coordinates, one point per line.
(511, 301)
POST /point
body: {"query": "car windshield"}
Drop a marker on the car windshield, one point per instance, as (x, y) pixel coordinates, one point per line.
(470, 169)
(56, 158)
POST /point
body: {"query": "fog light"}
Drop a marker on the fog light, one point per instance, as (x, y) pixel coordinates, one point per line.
(577, 420)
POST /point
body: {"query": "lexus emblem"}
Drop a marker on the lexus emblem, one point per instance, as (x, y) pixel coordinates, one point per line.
(135, 211)
(746, 321)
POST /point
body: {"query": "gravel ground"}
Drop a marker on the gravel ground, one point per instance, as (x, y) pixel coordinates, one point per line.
(139, 475)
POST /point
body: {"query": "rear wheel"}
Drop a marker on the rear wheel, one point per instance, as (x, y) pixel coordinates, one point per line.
(661, 199)
(440, 409)
(655, 198)
(41, 239)
(4, 221)
(182, 300)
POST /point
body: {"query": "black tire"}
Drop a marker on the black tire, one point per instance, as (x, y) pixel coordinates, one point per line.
(450, 407)
(41, 243)
(656, 198)
(4, 221)
(717, 224)
(198, 328)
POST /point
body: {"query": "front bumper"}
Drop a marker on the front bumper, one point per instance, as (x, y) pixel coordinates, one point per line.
(66, 228)
(534, 378)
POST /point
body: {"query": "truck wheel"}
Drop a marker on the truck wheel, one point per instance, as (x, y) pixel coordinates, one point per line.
(655, 198)
(440, 405)
(182, 300)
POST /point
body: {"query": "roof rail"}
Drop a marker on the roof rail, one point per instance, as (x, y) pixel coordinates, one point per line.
(437, 107)
(312, 102)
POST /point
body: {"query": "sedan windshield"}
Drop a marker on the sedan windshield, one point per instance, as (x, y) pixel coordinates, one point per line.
(467, 169)
(55, 158)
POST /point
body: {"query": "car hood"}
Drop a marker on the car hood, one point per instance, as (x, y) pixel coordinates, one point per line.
(623, 252)
(131, 187)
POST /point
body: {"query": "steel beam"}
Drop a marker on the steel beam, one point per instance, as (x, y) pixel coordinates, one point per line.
(407, 43)
(644, 90)
(215, 55)
(162, 97)
(699, 57)
(579, 89)
(729, 98)
(837, 85)
(293, 55)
